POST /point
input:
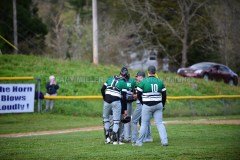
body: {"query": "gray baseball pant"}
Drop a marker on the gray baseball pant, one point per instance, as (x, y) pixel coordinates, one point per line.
(115, 107)
(135, 119)
(156, 112)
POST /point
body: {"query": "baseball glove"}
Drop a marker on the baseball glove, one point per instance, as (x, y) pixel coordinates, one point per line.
(126, 119)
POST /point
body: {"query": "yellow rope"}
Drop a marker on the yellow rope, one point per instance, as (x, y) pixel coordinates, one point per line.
(169, 97)
(9, 43)
(17, 78)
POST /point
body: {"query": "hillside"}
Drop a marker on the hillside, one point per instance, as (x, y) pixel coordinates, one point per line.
(83, 78)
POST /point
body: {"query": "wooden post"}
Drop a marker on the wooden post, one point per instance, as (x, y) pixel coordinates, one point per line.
(95, 32)
(15, 37)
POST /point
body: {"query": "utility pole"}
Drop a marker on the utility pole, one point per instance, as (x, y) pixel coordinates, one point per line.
(15, 37)
(95, 32)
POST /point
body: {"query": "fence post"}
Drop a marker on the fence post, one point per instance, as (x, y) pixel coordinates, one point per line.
(39, 91)
(192, 107)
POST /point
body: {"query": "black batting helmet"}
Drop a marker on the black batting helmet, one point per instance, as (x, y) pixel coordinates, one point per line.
(124, 72)
(140, 73)
(152, 69)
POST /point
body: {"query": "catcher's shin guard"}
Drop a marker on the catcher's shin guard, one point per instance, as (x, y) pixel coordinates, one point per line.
(106, 133)
(116, 136)
(108, 137)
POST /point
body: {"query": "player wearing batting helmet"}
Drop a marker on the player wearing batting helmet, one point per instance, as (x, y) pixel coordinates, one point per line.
(152, 94)
(113, 90)
(126, 134)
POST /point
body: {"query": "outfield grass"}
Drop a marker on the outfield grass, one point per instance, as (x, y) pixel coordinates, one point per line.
(185, 142)
(20, 123)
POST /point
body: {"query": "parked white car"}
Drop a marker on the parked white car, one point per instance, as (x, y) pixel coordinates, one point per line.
(149, 58)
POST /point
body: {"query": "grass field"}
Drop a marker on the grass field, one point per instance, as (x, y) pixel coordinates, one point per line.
(43, 122)
(185, 142)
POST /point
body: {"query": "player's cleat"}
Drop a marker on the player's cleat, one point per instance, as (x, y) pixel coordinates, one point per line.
(137, 144)
(148, 140)
(165, 145)
(126, 141)
(115, 143)
(120, 143)
(108, 141)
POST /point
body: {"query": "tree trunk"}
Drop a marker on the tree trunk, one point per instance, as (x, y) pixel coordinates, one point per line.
(186, 15)
(15, 37)
(185, 46)
(184, 55)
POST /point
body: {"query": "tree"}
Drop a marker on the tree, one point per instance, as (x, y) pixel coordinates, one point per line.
(31, 30)
(177, 18)
(117, 34)
(57, 34)
(81, 8)
(226, 17)
(68, 37)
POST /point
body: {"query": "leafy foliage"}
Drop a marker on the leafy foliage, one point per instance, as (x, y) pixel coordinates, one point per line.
(31, 30)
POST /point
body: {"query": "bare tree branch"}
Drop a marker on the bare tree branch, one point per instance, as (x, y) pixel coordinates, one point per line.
(196, 9)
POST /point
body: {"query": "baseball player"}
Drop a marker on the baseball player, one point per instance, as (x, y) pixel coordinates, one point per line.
(152, 94)
(113, 91)
(137, 115)
(131, 83)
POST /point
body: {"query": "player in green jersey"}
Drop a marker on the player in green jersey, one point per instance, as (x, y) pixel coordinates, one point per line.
(136, 116)
(113, 91)
(152, 94)
(131, 84)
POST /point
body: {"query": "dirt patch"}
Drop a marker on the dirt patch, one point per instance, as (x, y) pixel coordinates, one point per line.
(39, 133)
(96, 128)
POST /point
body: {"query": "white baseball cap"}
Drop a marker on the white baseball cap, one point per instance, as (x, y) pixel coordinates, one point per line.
(51, 77)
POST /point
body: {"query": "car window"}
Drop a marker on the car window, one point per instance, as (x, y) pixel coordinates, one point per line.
(202, 66)
(152, 58)
(224, 69)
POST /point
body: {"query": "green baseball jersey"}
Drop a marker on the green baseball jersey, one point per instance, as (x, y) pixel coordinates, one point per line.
(115, 85)
(151, 88)
(131, 84)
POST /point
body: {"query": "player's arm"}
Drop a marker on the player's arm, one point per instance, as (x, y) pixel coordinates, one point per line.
(124, 101)
(134, 88)
(103, 90)
(164, 96)
(140, 91)
(124, 98)
(139, 96)
(135, 94)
